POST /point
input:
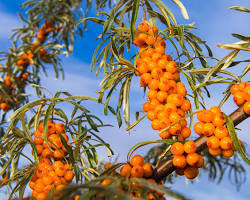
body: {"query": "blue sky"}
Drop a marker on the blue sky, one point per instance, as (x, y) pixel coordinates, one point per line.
(215, 23)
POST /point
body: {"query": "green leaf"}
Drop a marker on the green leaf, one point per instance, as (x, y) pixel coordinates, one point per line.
(183, 9)
(135, 10)
(240, 8)
(236, 143)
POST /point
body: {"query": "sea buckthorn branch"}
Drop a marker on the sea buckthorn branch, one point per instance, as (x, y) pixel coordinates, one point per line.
(166, 167)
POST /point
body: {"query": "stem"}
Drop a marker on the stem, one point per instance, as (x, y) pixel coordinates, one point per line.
(166, 167)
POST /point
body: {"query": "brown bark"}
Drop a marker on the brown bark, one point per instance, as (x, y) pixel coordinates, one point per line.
(166, 167)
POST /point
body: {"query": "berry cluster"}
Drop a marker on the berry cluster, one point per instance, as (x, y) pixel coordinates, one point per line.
(52, 172)
(241, 95)
(211, 124)
(17, 80)
(186, 159)
(167, 102)
(136, 168)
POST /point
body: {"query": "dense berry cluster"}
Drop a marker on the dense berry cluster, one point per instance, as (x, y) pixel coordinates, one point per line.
(52, 172)
(241, 95)
(212, 124)
(167, 95)
(186, 159)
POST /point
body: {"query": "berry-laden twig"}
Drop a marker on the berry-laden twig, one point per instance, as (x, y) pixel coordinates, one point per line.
(167, 167)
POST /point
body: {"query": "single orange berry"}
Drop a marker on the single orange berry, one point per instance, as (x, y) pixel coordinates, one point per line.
(179, 161)
(226, 143)
(191, 172)
(137, 171)
(137, 160)
(192, 158)
(147, 170)
(126, 170)
(228, 153)
(215, 152)
(190, 147)
(177, 148)
(213, 142)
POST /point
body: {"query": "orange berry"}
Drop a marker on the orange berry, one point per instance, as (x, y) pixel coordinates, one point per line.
(106, 182)
(215, 110)
(186, 132)
(156, 73)
(171, 67)
(213, 142)
(181, 112)
(39, 187)
(152, 94)
(179, 161)
(162, 96)
(153, 84)
(226, 143)
(239, 98)
(46, 153)
(146, 106)
(215, 152)
(58, 154)
(192, 158)
(174, 117)
(180, 171)
(207, 116)
(38, 140)
(7, 81)
(69, 175)
(147, 170)
(143, 26)
(151, 115)
(47, 180)
(175, 129)
(219, 120)
(246, 108)
(180, 88)
(59, 127)
(156, 125)
(164, 122)
(162, 114)
(41, 196)
(228, 153)
(32, 185)
(60, 171)
(137, 171)
(126, 170)
(137, 160)
(208, 129)
(150, 40)
(234, 89)
(200, 162)
(165, 135)
(175, 99)
(186, 105)
(153, 104)
(177, 148)
(39, 149)
(145, 79)
(191, 172)
(221, 132)
(156, 56)
(190, 147)
(170, 107)
(162, 63)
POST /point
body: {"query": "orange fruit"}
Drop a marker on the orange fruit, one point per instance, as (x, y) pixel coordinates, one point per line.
(177, 148)
(137, 160)
(190, 147)
(126, 170)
